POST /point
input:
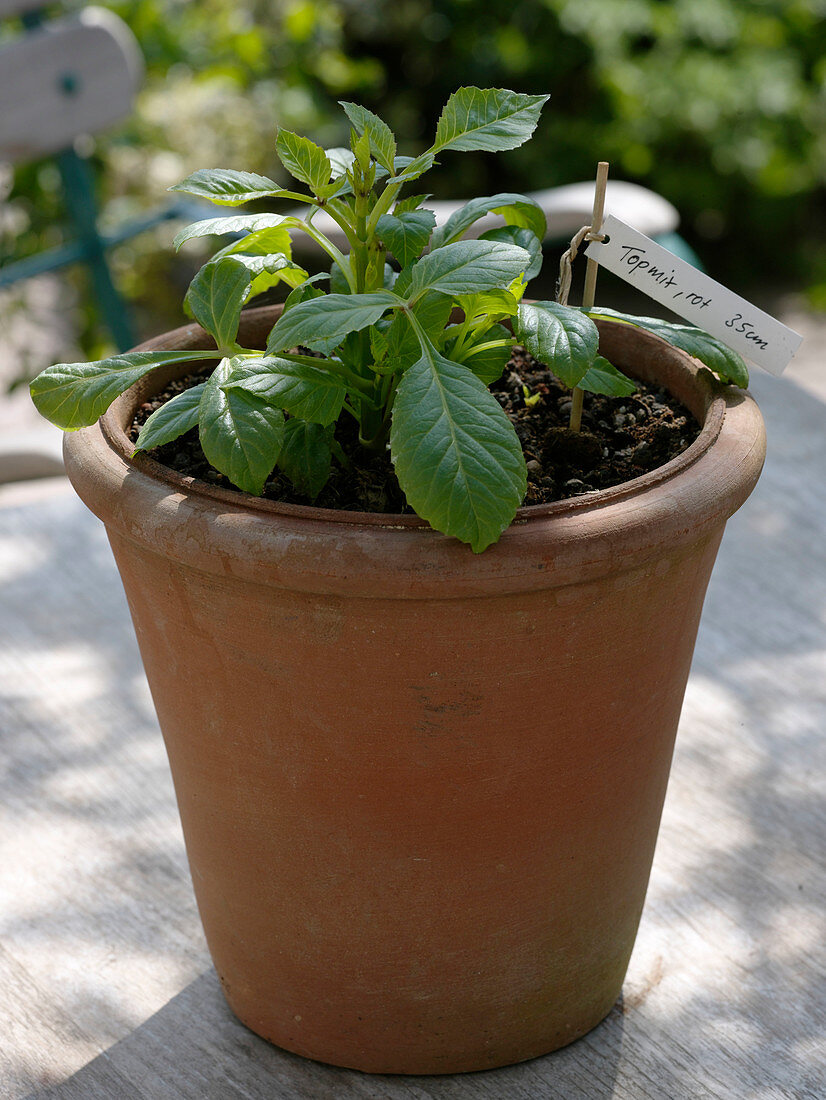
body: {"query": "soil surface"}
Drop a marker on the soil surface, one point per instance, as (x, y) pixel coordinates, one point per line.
(621, 438)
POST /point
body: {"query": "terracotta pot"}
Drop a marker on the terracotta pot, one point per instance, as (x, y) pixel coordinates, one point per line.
(420, 788)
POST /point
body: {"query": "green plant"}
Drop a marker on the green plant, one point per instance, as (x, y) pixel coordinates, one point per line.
(409, 353)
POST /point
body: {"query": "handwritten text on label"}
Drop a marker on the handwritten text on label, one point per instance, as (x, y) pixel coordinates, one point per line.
(680, 286)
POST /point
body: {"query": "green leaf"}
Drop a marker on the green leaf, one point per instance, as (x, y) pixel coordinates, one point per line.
(389, 277)
(361, 150)
(341, 160)
(338, 280)
(273, 274)
(412, 202)
(269, 271)
(726, 363)
(525, 238)
(556, 336)
(241, 435)
(262, 242)
(240, 223)
(455, 452)
(350, 351)
(171, 420)
(310, 392)
(403, 281)
(74, 395)
(489, 303)
(432, 311)
(304, 292)
(382, 140)
(267, 263)
(322, 321)
(303, 159)
(468, 266)
(516, 209)
(227, 187)
(491, 119)
(603, 377)
(406, 234)
(334, 190)
(216, 295)
(487, 363)
(379, 345)
(341, 183)
(305, 456)
(408, 169)
(267, 254)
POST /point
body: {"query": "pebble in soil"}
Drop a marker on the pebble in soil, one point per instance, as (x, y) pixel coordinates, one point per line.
(621, 438)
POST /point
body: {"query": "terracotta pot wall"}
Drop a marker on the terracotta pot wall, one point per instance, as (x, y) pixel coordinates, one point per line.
(420, 788)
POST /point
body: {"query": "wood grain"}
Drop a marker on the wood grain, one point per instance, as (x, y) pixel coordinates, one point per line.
(106, 991)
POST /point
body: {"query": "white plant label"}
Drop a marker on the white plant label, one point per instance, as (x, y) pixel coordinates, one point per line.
(685, 290)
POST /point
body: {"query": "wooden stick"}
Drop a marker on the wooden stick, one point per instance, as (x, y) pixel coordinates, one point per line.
(591, 270)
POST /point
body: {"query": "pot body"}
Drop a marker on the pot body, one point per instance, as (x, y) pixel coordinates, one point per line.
(420, 788)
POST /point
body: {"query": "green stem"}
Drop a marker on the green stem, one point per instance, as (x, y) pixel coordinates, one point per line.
(372, 419)
(337, 212)
(338, 450)
(388, 398)
(388, 387)
(385, 201)
(375, 265)
(575, 421)
(351, 411)
(461, 338)
(390, 194)
(492, 344)
(331, 250)
(294, 196)
(360, 253)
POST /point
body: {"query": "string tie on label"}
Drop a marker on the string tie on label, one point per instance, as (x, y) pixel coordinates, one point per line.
(563, 284)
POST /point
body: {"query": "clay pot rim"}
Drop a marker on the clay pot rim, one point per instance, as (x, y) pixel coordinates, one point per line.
(230, 534)
(119, 415)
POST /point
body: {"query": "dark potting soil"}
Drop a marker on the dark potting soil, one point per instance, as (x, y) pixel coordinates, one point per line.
(621, 438)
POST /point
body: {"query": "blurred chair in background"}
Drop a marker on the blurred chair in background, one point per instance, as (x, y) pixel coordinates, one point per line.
(60, 80)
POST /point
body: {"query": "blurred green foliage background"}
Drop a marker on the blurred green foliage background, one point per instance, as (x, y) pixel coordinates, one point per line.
(719, 105)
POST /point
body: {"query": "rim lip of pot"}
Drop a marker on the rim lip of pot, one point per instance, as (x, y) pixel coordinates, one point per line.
(372, 554)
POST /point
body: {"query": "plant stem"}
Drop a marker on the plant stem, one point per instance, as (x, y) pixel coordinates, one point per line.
(589, 292)
(575, 419)
(461, 338)
(489, 345)
(390, 194)
(328, 246)
(338, 450)
(385, 201)
(295, 196)
(337, 212)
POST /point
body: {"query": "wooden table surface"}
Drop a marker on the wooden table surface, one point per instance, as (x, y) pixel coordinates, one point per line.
(106, 988)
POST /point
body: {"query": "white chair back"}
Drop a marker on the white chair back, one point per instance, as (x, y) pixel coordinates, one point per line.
(64, 78)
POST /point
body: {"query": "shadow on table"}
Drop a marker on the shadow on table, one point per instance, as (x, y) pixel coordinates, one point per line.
(194, 1047)
(94, 856)
(746, 793)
